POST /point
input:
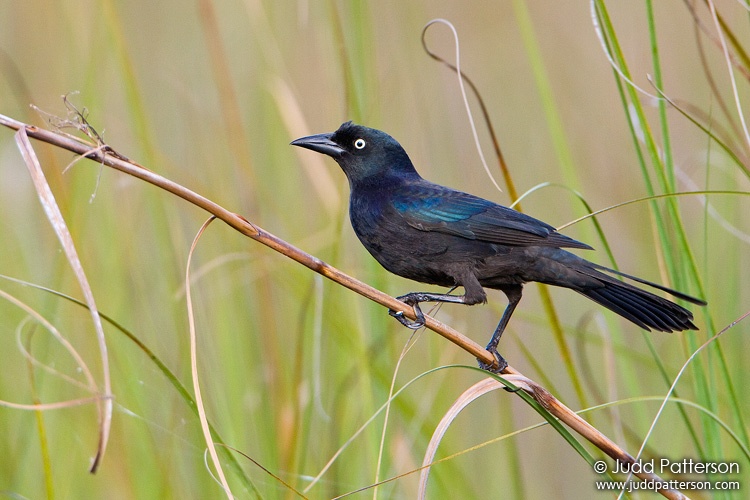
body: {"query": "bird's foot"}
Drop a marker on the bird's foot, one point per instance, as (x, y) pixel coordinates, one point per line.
(498, 366)
(414, 298)
(399, 315)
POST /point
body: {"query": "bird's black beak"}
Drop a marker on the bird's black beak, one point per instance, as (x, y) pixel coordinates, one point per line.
(321, 143)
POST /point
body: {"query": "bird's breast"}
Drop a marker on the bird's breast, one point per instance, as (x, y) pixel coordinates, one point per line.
(401, 248)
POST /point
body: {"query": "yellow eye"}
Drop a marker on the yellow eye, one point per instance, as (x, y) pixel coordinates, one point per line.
(360, 144)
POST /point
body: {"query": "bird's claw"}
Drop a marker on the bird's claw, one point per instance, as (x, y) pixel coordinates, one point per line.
(413, 298)
(498, 366)
(414, 325)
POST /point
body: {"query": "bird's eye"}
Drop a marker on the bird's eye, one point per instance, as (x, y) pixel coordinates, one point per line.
(360, 144)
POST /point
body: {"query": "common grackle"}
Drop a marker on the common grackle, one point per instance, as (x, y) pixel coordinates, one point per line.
(433, 234)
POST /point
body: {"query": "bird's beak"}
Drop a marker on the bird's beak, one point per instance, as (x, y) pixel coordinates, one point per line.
(321, 143)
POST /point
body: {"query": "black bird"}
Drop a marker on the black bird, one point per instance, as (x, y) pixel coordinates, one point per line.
(434, 234)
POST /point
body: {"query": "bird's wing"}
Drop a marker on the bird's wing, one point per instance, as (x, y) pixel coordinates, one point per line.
(441, 209)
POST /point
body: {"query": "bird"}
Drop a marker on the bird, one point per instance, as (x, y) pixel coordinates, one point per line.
(433, 234)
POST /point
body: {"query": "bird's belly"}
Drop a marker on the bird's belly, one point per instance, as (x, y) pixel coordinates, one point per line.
(411, 259)
(424, 256)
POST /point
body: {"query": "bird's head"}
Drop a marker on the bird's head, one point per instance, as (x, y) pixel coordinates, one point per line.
(360, 151)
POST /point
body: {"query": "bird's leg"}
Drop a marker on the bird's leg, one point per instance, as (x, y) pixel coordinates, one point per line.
(514, 293)
(414, 298)
(474, 294)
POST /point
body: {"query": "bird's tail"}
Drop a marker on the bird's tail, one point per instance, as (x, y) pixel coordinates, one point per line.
(643, 308)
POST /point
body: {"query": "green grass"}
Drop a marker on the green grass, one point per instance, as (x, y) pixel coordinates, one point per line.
(291, 366)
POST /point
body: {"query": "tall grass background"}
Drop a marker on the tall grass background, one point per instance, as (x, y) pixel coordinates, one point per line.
(209, 94)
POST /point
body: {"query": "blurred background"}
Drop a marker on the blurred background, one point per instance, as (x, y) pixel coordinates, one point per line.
(209, 94)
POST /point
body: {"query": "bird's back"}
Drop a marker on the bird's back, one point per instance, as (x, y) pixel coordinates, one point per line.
(431, 233)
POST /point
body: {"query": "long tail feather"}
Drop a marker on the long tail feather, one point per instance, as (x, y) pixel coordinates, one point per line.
(643, 308)
(663, 288)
